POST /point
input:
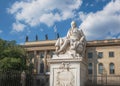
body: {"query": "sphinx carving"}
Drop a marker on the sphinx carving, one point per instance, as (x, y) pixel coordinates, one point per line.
(74, 43)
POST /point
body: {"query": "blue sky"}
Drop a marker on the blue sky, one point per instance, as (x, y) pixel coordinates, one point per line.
(99, 19)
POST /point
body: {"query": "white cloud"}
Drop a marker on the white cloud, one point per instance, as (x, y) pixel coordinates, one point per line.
(1, 31)
(110, 37)
(102, 24)
(82, 16)
(18, 26)
(35, 12)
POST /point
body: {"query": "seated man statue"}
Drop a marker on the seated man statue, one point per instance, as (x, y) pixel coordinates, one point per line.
(74, 43)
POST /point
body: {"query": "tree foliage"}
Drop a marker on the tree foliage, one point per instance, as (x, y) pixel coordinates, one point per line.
(12, 56)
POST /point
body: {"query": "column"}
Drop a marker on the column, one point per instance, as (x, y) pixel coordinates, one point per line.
(35, 62)
(45, 61)
(38, 65)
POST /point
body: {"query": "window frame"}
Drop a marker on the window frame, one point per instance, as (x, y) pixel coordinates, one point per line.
(100, 70)
(42, 66)
(41, 55)
(90, 68)
(90, 55)
(111, 54)
(112, 68)
(100, 55)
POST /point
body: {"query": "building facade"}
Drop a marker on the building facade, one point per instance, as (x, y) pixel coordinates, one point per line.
(103, 56)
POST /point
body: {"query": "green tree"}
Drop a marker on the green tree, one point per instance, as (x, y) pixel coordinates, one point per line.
(12, 56)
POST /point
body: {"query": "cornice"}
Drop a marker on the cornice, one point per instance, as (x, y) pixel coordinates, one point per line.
(94, 43)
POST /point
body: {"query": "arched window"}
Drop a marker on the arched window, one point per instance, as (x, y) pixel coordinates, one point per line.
(100, 68)
(90, 68)
(112, 68)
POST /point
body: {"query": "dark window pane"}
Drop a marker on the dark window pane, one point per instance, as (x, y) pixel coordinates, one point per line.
(100, 67)
(51, 53)
(89, 71)
(41, 55)
(41, 67)
(90, 55)
(100, 54)
(90, 68)
(111, 71)
(111, 54)
(112, 68)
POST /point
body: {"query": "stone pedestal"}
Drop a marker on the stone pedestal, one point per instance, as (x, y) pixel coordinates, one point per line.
(66, 71)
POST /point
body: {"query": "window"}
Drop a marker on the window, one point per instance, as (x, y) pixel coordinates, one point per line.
(42, 67)
(112, 68)
(41, 55)
(90, 68)
(51, 53)
(100, 54)
(111, 54)
(100, 68)
(90, 55)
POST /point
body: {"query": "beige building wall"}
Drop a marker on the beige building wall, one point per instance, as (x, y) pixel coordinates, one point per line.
(105, 60)
(96, 46)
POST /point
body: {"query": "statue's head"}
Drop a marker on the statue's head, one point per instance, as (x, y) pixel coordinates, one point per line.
(73, 24)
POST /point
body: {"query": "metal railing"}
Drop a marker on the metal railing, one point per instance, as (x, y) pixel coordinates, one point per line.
(13, 78)
(107, 80)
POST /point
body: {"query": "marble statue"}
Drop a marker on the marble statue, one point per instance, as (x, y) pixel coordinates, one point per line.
(74, 43)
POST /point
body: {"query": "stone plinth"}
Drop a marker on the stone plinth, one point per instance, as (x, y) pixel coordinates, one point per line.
(67, 71)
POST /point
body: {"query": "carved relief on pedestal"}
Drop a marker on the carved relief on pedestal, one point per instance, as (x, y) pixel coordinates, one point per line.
(64, 76)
